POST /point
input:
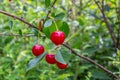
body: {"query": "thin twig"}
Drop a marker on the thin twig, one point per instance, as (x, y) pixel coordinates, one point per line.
(90, 60)
(101, 7)
(52, 5)
(20, 19)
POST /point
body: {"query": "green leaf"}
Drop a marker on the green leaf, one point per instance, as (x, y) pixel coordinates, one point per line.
(24, 8)
(59, 16)
(10, 24)
(99, 74)
(46, 31)
(35, 32)
(59, 57)
(65, 28)
(47, 3)
(118, 53)
(107, 8)
(20, 32)
(48, 23)
(32, 63)
(66, 54)
(90, 50)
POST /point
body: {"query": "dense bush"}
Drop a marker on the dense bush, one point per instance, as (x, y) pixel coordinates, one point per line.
(92, 29)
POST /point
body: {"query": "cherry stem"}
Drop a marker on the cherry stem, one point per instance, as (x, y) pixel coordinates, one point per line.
(38, 37)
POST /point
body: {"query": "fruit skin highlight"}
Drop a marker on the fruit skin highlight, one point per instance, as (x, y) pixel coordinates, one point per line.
(61, 65)
(50, 58)
(57, 37)
(37, 49)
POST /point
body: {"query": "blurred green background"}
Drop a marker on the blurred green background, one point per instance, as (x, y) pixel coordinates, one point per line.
(86, 32)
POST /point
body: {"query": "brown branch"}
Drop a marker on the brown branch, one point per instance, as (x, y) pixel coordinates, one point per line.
(20, 19)
(90, 60)
(101, 7)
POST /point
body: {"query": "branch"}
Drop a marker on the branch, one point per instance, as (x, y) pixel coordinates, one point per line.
(90, 60)
(101, 7)
(52, 5)
(20, 19)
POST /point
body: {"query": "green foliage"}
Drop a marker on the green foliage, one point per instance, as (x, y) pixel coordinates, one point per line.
(85, 32)
(34, 61)
(47, 3)
(59, 57)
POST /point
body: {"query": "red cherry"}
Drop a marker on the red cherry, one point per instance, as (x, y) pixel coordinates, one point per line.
(50, 58)
(37, 49)
(57, 37)
(61, 65)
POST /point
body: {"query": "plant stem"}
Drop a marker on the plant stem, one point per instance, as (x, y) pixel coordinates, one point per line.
(90, 60)
(111, 32)
(20, 19)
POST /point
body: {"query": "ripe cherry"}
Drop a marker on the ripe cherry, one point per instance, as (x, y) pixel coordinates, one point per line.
(37, 49)
(61, 65)
(57, 37)
(50, 58)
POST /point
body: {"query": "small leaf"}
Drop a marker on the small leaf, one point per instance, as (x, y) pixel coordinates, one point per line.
(48, 23)
(10, 24)
(35, 31)
(107, 8)
(47, 3)
(24, 8)
(20, 32)
(59, 16)
(118, 54)
(59, 57)
(99, 74)
(34, 61)
(65, 28)
(46, 31)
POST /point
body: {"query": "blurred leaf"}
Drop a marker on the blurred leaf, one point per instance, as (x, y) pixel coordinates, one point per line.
(10, 24)
(63, 76)
(59, 16)
(46, 31)
(118, 54)
(34, 61)
(99, 74)
(20, 32)
(84, 67)
(24, 8)
(65, 28)
(47, 3)
(35, 32)
(59, 57)
(91, 50)
(48, 23)
(66, 54)
(117, 23)
(107, 8)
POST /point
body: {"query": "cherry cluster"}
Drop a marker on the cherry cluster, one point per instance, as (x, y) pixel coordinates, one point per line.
(57, 37)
